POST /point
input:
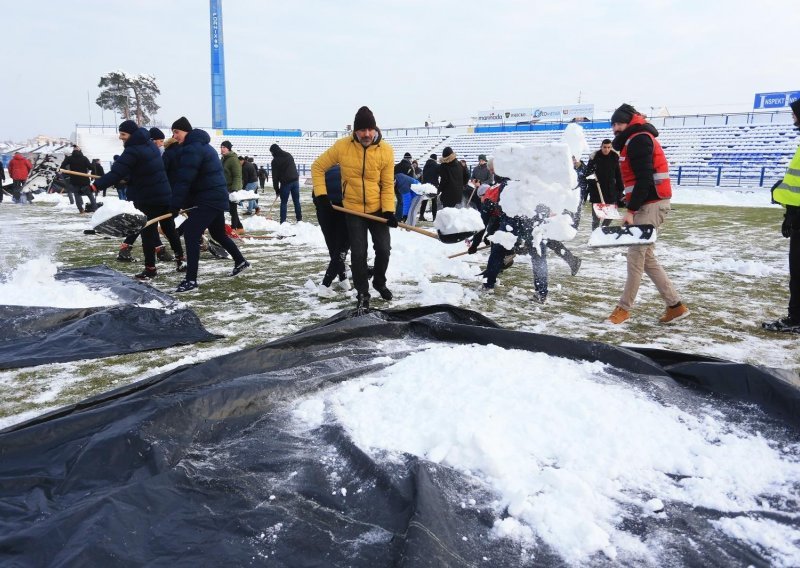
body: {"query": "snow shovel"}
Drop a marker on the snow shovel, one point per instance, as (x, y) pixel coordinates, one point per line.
(382, 220)
(623, 235)
(467, 252)
(269, 211)
(604, 210)
(126, 224)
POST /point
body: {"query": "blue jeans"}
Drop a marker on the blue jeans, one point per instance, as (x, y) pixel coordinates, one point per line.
(252, 203)
(293, 189)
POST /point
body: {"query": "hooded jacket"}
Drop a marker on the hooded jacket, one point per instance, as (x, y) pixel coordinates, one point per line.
(199, 179)
(249, 173)
(19, 167)
(367, 174)
(452, 179)
(283, 167)
(232, 170)
(639, 152)
(77, 162)
(141, 163)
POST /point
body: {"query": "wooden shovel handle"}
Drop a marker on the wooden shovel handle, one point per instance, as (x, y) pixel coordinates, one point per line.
(157, 219)
(71, 173)
(467, 252)
(382, 220)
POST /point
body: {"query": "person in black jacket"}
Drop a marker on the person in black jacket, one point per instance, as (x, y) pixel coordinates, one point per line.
(604, 164)
(148, 188)
(79, 185)
(262, 176)
(334, 229)
(452, 179)
(200, 183)
(98, 170)
(285, 180)
(430, 175)
(250, 182)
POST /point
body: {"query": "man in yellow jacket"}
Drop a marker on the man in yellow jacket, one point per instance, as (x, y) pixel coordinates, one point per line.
(787, 193)
(367, 166)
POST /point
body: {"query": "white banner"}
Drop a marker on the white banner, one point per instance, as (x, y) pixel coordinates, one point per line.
(563, 113)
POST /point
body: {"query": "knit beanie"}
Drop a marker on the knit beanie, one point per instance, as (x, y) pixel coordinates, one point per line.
(407, 156)
(128, 126)
(482, 157)
(156, 134)
(182, 124)
(434, 156)
(227, 144)
(364, 119)
(447, 151)
(623, 114)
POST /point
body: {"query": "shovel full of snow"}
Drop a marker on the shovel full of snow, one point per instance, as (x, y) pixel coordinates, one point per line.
(623, 235)
(604, 210)
(440, 237)
(125, 224)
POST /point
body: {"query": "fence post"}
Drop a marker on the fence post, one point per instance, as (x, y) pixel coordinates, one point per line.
(761, 180)
(719, 174)
(680, 170)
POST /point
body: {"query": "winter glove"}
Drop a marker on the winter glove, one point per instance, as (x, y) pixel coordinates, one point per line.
(473, 248)
(786, 227)
(323, 201)
(391, 220)
(790, 220)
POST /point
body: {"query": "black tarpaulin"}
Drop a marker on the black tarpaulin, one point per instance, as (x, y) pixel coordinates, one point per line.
(199, 467)
(36, 335)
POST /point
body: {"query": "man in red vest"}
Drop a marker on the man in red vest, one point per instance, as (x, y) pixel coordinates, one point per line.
(645, 177)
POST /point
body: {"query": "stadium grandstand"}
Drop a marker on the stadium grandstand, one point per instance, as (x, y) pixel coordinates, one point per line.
(727, 150)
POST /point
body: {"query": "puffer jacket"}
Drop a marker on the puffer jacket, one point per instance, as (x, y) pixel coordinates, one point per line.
(367, 174)
(141, 163)
(77, 162)
(199, 179)
(232, 171)
(19, 167)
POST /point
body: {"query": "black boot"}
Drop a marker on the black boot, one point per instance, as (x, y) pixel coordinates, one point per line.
(362, 304)
(385, 293)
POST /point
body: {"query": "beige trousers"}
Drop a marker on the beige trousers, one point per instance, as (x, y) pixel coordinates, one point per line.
(642, 259)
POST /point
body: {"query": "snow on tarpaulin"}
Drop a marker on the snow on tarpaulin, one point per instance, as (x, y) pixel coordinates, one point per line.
(84, 313)
(342, 445)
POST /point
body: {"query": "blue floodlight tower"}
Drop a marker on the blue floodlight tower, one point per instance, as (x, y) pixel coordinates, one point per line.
(219, 107)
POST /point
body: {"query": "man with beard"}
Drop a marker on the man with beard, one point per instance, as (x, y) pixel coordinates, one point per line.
(367, 170)
(607, 187)
(647, 193)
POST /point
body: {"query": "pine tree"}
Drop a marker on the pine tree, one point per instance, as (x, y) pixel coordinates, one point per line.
(130, 95)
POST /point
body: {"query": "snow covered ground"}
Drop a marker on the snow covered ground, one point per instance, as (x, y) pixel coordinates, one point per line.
(722, 248)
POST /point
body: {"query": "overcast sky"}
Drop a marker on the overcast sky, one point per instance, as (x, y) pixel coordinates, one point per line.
(310, 63)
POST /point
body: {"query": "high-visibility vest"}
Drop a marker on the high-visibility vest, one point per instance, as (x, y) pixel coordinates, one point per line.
(788, 192)
(660, 167)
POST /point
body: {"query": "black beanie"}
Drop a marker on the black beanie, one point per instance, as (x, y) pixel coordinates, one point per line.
(227, 144)
(364, 119)
(182, 124)
(795, 106)
(623, 114)
(447, 151)
(433, 156)
(156, 134)
(128, 127)
(407, 156)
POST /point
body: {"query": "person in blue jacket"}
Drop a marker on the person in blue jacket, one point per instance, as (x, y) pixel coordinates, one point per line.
(199, 183)
(148, 188)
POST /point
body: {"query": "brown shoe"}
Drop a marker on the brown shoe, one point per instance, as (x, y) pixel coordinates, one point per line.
(619, 315)
(240, 231)
(675, 313)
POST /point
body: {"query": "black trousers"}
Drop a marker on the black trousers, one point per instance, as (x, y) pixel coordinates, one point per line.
(794, 275)
(201, 218)
(357, 228)
(233, 209)
(150, 238)
(334, 229)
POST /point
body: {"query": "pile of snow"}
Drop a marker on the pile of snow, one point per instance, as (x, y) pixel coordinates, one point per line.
(575, 137)
(424, 189)
(242, 195)
(46, 198)
(259, 223)
(452, 220)
(33, 284)
(111, 208)
(541, 175)
(569, 449)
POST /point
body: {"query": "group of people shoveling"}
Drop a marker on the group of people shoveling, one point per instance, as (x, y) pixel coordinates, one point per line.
(354, 195)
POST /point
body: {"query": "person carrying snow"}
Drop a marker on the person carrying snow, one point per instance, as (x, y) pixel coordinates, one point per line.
(787, 193)
(200, 184)
(607, 185)
(232, 169)
(647, 193)
(367, 166)
(148, 188)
